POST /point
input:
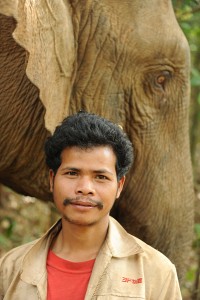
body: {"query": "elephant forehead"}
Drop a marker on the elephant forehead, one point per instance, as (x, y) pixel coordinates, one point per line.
(143, 29)
(122, 37)
(118, 43)
(84, 51)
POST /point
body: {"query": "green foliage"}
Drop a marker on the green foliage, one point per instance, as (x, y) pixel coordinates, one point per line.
(188, 16)
(197, 235)
(22, 219)
(195, 77)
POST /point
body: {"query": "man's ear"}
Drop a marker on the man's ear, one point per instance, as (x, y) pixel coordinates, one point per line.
(120, 185)
(51, 179)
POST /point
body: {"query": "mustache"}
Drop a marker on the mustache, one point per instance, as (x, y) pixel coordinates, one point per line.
(81, 199)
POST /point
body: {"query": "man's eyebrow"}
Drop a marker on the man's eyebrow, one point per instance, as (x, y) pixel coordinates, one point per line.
(102, 171)
(70, 168)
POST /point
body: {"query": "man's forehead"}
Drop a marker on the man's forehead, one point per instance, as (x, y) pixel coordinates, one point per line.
(97, 157)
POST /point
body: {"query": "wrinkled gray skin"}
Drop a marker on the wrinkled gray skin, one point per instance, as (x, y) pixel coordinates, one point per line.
(132, 66)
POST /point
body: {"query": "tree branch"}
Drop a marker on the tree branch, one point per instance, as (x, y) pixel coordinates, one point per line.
(196, 9)
(193, 10)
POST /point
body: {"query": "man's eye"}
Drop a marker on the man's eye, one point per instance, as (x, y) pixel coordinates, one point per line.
(103, 177)
(71, 173)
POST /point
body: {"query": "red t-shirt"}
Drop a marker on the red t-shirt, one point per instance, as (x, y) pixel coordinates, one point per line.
(66, 279)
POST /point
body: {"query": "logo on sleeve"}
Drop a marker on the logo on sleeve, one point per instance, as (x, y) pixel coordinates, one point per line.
(133, 281)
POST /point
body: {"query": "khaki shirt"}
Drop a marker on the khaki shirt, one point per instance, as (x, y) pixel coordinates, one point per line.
(125, 268)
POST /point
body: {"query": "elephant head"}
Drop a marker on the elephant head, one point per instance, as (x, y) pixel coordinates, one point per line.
(125, 60)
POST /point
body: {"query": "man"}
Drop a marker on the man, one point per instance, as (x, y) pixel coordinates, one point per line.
(87, 254)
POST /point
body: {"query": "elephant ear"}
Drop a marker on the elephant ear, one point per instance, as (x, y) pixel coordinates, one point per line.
(9, 7)
(45, 30)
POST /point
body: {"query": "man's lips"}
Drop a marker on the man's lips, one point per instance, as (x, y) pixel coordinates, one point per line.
(83, 202)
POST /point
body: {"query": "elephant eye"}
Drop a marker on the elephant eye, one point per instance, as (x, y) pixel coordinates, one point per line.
(162, 78)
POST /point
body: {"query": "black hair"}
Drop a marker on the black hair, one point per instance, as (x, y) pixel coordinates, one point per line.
(87, 130)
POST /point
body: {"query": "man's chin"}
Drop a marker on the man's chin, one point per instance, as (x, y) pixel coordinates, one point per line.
(79, 222)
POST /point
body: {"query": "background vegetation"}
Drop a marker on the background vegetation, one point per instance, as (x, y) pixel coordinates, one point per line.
(188, 16)
(24, 218)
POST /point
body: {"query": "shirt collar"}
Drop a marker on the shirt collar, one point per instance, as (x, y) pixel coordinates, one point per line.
(118, 243)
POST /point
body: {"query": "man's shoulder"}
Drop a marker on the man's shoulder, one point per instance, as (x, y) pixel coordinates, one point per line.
(11, 263)
(148, 254)
(152, 253)
(15, 256)
(154, 259)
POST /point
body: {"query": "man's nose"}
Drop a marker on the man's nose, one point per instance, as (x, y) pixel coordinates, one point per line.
(85, 186)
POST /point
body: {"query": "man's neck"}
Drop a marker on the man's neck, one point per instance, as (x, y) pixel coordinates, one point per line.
(79, 243)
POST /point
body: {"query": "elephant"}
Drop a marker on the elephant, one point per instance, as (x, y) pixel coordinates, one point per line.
(125, 60)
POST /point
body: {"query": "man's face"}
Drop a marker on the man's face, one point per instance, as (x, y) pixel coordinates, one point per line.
(85, 185)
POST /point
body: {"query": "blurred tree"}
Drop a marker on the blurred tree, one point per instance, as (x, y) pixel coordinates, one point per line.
(188, 16)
